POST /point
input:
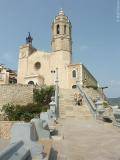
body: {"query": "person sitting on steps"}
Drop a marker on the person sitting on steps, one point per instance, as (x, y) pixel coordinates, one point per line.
(79, 99)
(75, 98)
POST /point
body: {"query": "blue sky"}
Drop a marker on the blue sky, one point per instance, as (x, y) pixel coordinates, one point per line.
(95, 34)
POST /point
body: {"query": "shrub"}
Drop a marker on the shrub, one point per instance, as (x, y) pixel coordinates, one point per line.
(26, 116)
(43, 96)
(9, 111)
(22, 113)
(105, 104)
(91, 86)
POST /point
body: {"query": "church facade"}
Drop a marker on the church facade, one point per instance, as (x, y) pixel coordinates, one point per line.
(38, 67)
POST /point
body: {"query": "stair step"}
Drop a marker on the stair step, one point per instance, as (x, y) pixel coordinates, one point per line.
(68, 108)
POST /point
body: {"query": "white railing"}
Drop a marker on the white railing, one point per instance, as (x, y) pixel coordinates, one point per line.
(57, 100)
(88, 100)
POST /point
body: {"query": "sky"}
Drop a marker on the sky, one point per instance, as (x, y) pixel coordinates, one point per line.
(95, 34)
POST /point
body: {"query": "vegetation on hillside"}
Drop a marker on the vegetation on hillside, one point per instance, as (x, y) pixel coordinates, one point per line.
(41, 97)
(105, 104)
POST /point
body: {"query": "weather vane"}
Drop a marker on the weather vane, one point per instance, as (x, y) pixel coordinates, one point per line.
(29, 39)
(118, 11)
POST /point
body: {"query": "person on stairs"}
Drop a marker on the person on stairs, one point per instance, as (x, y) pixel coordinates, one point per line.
(79, 99)
(75, 98)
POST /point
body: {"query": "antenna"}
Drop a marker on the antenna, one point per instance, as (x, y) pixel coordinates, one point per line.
(118, 11)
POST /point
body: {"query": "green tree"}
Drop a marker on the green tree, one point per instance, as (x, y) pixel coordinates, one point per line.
(43, 96)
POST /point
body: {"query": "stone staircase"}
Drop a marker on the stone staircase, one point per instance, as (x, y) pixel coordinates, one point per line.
(82, 112)
(67, 107)
(66, 102)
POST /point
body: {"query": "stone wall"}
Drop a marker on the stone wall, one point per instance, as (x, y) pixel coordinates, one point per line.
(93, 93)
(72, 80)
(5, 129)
(16, 94)
(87, 78)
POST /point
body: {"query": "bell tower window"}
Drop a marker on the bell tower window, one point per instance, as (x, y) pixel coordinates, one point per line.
(58, 29)
(65, 29)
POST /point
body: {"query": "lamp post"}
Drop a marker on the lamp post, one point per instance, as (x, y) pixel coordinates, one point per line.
(53, 72)
(56, 90)
(102, 88)
(77, 78)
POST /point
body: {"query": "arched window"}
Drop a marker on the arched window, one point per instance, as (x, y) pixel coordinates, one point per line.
(58, 29)
(74, 86)
(74, 74)
(65, 29)
(31, 82)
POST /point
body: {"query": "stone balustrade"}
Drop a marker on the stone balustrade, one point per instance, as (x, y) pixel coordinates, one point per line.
(16, 151)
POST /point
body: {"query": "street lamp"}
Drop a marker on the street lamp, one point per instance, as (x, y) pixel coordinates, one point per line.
(56, 90)
(53, 71)
(102, 88)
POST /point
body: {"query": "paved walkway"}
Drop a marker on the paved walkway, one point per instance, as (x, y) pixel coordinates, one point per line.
(88, 140)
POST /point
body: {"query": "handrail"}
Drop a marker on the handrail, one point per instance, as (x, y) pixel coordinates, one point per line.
(57, 93)
(88, 100)
(57, 100)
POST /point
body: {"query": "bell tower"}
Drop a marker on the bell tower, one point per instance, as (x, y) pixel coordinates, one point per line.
(61, 33)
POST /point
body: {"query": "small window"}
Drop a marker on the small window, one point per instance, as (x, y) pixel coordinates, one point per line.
(31, 82)
(74, 73)
(65, 29)
(37, 65)
(74, 86)
(58, 29)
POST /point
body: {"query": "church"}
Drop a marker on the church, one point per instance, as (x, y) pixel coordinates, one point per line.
(40, 68)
